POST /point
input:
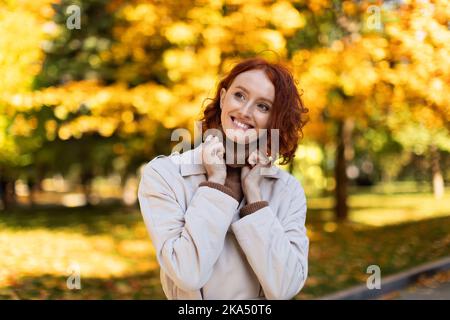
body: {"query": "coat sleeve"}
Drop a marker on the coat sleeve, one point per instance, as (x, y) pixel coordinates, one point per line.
(277, 247)
(187, 242)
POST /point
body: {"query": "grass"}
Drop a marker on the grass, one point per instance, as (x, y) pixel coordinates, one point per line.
(41, 248)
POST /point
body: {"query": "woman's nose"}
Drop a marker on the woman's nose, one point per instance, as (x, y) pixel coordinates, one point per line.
(246, 111)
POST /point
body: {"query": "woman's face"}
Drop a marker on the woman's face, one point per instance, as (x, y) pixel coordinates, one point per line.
(246, 106)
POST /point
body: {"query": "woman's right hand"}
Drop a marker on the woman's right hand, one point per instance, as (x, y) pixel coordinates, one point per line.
(213, 159)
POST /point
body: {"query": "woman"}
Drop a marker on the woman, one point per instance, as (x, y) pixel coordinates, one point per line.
(227, 228)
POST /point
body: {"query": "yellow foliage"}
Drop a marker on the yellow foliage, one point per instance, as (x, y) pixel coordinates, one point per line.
(22, 27)
(286, 18)
(181, 33)
(409, 62)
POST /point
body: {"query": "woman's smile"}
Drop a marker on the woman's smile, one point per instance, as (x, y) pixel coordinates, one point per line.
(240, 124)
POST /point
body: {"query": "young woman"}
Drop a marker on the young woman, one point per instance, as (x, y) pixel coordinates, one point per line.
(224, 228)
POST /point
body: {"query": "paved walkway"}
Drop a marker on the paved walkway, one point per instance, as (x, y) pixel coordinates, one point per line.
(436, 287)
(441, 292)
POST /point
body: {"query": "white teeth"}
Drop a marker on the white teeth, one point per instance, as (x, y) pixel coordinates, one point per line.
(240, 124)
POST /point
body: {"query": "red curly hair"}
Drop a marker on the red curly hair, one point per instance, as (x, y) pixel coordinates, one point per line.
(287, 111)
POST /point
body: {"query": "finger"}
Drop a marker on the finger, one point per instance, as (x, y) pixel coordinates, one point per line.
(262, 158)
(244, 171)
(258, 166)
(259, 169)
(220, 150)
(216, 143)
(213, 150)
(217, 149)
(266, 161)
(253, 158)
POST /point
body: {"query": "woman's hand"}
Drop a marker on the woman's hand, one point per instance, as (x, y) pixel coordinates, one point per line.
(251, 176)
(213, 159)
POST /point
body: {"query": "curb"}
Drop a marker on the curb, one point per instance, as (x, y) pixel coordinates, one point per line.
(390, 283)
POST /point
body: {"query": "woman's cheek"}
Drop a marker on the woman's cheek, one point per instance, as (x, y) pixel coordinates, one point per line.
(235, 105)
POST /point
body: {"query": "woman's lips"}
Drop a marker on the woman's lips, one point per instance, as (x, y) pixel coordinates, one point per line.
(239, 125)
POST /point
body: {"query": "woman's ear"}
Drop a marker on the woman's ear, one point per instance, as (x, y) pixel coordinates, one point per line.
(223, 92)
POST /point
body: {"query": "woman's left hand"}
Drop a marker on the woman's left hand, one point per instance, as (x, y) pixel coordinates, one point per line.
(251, 176)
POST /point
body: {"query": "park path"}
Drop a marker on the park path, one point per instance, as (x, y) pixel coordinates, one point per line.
(436, 287)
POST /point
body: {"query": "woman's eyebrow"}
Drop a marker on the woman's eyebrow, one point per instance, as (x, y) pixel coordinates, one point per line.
(262, 98)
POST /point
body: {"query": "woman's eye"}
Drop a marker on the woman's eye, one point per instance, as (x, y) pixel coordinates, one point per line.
(264, 107)
(238, 95)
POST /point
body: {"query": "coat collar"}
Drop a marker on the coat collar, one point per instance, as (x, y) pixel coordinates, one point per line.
(191, 164)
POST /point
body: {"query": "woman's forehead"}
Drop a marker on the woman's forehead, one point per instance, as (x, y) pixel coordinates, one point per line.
(255, 82)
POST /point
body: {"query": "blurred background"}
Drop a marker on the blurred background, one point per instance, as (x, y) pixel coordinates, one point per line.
(92, 90)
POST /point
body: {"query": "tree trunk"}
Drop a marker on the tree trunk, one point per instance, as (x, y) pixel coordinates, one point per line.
(8, 193)
(438, 181)
(344, 153)
(7, 190)
(86, 182)
(4, 198)
(32, 193)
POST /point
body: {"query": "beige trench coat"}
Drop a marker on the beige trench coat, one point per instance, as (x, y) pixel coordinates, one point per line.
(206, 251)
